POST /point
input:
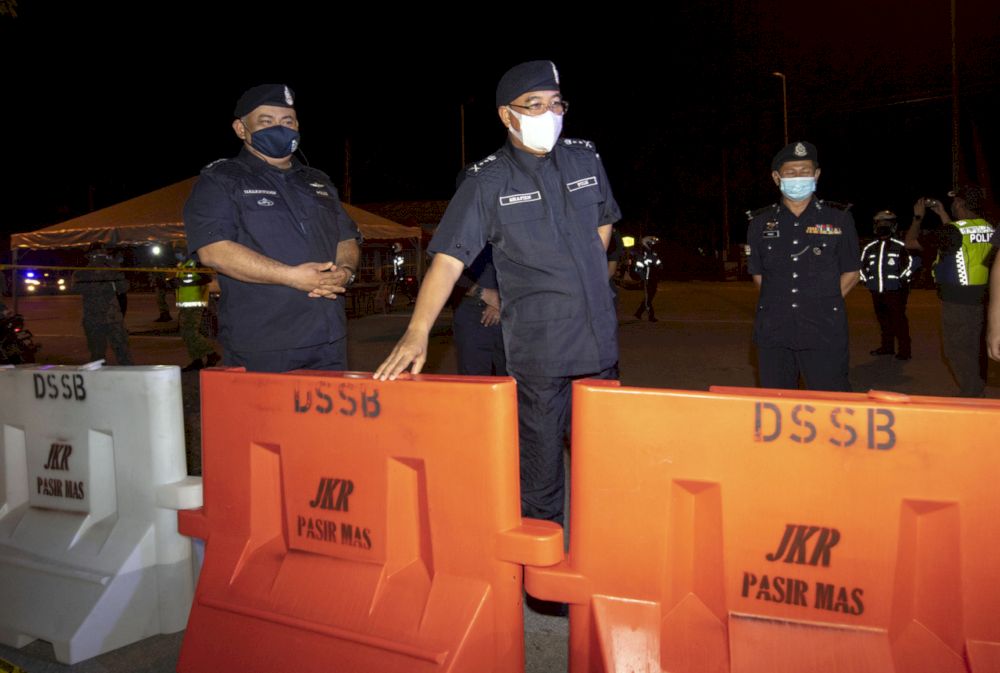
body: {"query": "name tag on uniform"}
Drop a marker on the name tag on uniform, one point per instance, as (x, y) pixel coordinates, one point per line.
(772, 233)
(514, 199)
(581, 184)
(823, 229)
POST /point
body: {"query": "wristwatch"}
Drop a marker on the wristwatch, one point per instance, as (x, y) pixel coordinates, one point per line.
(478, 293)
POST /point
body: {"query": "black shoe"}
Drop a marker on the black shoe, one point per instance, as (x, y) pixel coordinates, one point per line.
(193, 366)
(164, 317)
(212, 359)
(638, 315)
(882, 351)
(652, 319)
(903, 356)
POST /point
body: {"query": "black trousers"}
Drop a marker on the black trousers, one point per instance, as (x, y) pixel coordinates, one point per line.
(479, 349)
(890, 310)
(822, 369)
(649, 287)
(543, 422)
(962, 335)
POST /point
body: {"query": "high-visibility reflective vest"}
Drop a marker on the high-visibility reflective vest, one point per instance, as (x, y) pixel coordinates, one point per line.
(886, 266)
(189, 293)
(967, 265)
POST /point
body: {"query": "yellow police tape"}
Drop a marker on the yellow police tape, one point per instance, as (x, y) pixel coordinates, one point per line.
(7, 667)
(150, 269)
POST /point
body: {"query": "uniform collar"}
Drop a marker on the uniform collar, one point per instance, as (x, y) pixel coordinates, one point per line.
(528, 161)
(258, 165)
(814, 204)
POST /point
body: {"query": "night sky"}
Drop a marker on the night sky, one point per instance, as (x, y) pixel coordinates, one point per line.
(108, 104)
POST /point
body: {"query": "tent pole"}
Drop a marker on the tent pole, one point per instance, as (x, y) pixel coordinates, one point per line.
(13, 277)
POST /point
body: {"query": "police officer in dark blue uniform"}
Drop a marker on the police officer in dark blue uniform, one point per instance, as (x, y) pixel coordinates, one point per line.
(886, 268)
(282, 243)
(804, 259)
(545, 206)
(476, 320)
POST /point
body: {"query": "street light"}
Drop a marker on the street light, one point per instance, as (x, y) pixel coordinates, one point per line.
(784, 100)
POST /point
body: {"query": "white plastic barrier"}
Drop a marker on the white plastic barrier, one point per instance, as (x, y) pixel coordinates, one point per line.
(92, 471)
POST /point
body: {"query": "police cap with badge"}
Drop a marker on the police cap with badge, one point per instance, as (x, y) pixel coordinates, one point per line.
(525, 77)
(278, 95)
(798, 151)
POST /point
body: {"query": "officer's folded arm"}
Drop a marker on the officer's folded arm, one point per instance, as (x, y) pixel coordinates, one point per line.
(434, 292)
(240, 262)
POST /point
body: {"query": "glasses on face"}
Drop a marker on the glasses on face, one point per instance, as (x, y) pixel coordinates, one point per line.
(559, 107)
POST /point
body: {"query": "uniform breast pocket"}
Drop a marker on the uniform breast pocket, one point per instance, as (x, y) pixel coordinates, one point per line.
(524, 230)
(263, 212)
(584, 197)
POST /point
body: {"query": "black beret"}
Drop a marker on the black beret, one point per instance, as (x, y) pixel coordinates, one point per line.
(264, 94)
(800, 151)
(529, 76)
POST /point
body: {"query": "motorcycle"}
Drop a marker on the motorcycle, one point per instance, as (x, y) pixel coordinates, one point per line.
(17, 345)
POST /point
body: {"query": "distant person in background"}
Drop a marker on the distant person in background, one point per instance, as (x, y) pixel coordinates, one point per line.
(962, 274)
(160, 283)
(192, 301)
(647, 265)
(99, 286)
(886, 268)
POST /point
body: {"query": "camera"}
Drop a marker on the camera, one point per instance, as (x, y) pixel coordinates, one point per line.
(930, 203)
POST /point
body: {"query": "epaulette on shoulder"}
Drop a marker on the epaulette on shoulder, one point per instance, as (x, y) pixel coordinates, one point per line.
(577, 143)
(481, 167)
(751, 214)
(215, 163)
(836, 204)
(227, 167)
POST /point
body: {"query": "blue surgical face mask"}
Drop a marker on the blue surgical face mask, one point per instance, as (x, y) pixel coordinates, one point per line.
(797, 189)
(276, 141)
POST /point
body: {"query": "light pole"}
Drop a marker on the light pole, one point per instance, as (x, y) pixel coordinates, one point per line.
(784, 100)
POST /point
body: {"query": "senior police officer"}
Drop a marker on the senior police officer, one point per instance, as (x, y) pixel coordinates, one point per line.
(545, 206)
(804, 259)
(277, 234)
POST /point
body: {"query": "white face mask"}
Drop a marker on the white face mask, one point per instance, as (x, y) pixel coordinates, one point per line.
(537, 133)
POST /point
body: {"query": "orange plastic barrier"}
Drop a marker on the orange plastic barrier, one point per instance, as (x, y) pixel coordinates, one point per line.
(769, 531)
(357, 525)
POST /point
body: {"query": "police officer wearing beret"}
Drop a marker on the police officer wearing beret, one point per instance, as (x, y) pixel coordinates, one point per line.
(804, 258)
(282, 243)
(545, 206)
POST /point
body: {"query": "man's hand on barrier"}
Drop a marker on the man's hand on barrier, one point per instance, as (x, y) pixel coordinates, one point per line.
(411, 349)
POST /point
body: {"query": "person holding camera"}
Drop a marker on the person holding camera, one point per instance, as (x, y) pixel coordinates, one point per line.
(962, 272)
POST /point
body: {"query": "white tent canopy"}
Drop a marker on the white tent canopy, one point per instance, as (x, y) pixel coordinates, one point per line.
(157, 217)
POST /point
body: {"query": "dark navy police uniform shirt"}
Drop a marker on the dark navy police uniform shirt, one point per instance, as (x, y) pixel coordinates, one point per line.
(541, 216)
(800, 260)
(291, 216)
